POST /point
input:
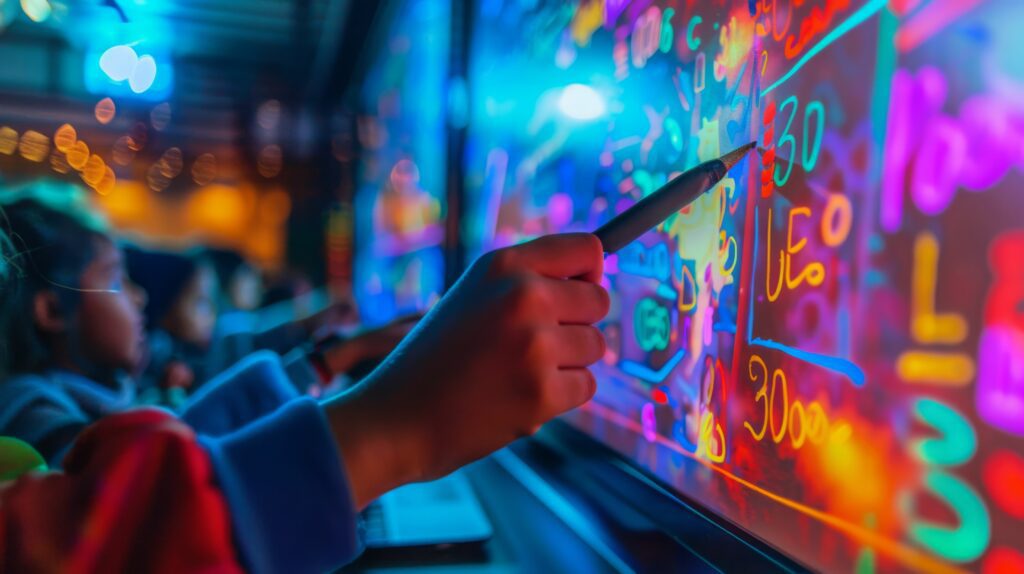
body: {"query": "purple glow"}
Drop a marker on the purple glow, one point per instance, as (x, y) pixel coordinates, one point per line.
(1000, 391)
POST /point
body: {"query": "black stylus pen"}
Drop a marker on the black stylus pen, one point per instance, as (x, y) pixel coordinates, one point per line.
(627, 226)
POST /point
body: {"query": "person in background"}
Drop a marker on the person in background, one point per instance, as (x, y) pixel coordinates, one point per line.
(277, 489)
(76, 331)
(190, 341)
(241, 285)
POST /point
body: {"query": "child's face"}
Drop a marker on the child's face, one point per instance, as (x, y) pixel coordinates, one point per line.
(109, 317)
(244, 288)
(194, 313)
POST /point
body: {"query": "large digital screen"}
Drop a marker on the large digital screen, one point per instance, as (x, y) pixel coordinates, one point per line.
(399, 202)
(827, 350)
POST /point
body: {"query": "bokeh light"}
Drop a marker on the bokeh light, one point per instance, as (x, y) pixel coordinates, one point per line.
(107, 183)
(581, 102)
(156, 180)
(138, 136)
(269, 161)
(171, 163)
(118, 62)
(160, 116)
(78, 155)
(105, 111)
(123, 152)
(144, 74)
(8, 140)
(274, 207)
(93, 171)
(204, 169)
(269, 114)
(34, 146)
(64, 138)
(59, 162)
(37, 10)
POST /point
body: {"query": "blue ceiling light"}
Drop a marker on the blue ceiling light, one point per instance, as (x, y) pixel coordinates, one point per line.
(121, 71)
(144, 74)
(581, 102)
(118, 62)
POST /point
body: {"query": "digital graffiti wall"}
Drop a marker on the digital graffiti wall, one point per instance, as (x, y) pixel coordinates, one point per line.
(828, 348)
(399, 203)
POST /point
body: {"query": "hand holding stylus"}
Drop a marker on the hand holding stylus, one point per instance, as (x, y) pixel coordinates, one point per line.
(504, 351)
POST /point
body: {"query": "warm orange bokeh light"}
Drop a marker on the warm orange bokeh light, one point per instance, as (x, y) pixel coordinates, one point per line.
(105, 111)
(64, 138)
(204, 169)
(78, 155)
(34, 146)
(8, 140)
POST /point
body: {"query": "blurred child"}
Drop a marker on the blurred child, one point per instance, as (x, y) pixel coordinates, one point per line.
(189, 341)
(76, 329)
(275, 487)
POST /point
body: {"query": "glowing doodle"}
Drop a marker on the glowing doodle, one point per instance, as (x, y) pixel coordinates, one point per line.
(819, 340)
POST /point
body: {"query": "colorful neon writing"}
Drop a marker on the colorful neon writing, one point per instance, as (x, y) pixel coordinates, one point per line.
(1000, 389)
(693, 42)
(768, 157)
(815, 23)
(653, 262)
(711, 433)
(954, 446)
(974, 151)
(956, 442)
(813, 424)
(652, 325)
(967, 540)
(808, 153)
(813, 273)
(929, 327)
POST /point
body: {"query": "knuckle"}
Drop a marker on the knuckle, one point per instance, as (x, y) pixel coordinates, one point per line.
(593, 245)
(589, 385)
(537, 350)
(526, 296)
(602, 301)
(501, 261)
(599, 345)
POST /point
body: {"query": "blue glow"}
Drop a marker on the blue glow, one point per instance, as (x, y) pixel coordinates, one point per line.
(118, 62)
(143, 75)
(125, 70)
(647, 374)
(581, 102)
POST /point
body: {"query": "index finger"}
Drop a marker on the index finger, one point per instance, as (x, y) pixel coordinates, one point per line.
(564, 256)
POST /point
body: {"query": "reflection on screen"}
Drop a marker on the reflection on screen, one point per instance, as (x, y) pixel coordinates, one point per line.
(828, 348)
(399, 266)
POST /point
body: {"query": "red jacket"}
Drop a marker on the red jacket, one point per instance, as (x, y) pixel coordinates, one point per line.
(137, 494)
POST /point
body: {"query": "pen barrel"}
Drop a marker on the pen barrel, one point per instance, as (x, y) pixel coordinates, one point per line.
(647, 213)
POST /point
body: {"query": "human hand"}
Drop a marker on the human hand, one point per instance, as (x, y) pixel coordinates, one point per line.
(343, 354)
(503, 352)
(176, 375)
(335, 315)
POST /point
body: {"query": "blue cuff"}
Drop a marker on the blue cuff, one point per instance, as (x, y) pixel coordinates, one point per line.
(300, 371)
(289, 500)
(253, 387)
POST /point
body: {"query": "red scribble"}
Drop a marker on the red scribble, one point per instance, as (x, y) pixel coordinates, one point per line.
(659, 396)
(1003, 476)
(768, 157)
(813, 24)
(1003, 560)
(1003, 306)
